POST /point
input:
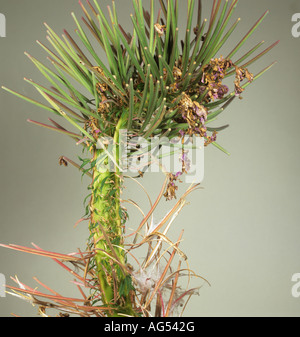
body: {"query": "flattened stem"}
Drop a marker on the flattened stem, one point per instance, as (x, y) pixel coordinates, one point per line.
(106, 230)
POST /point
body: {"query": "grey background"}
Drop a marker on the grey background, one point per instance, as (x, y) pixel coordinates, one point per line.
(241, 230)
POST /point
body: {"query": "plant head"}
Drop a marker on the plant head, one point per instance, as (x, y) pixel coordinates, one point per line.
(156, 81)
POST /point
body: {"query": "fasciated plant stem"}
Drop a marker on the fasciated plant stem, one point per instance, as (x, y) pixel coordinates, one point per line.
(154, 84)
(106, 227)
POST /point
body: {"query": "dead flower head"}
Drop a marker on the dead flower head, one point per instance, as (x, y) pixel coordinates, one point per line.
(160, 29)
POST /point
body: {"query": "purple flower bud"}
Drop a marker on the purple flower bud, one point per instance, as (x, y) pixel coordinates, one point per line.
(200, 110)
(186, 163)
(182, 133)
(203, 78)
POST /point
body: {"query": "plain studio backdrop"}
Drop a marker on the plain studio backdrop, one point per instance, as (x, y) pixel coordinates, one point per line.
(241, 231)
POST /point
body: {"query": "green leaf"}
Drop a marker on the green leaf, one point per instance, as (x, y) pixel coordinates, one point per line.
(131, 104)
(245, 38)
(131, 54)
(30, 100)
(218, 146)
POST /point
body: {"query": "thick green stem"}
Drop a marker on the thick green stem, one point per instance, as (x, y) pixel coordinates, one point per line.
(107, 232)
